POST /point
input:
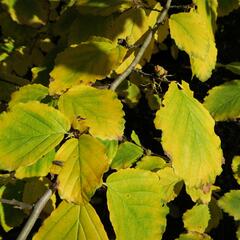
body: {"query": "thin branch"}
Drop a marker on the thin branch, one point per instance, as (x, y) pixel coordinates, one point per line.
(35, 214)
(143, 48)
(16, 204)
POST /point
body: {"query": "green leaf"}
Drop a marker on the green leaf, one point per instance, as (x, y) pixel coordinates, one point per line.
(188, 137)
(73, 222)
(85, 162)
(223, 102)
(136, 211)
(34, 190)
(192, 221)
(29, 12)
(103, 7)
(170, 184)
(11, 191)
(38, 169)
(111, 147)
(135, 138)
(236, 168)
(100, 110)
(85, 63)
(227, 6)
(194, 236)
(127, 154)
(151, 163)
(230, 203)
(233, 67)
(28, 93)
(190, 33)
(28, 132)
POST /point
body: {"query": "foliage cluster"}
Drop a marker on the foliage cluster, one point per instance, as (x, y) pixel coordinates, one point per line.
(62, 124)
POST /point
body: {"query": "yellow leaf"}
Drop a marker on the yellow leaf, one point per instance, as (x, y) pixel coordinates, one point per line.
(85, 63)
(84, 163)
(100, 110)
(188, 137)
(73, 222)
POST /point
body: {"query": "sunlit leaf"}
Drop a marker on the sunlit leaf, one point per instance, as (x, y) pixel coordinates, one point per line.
(29, 12)
(227, 6)
(151, 163)
(28, 93)
(196, 219)
(223, 102)
(28, 132)
(170, 184)
(194, 236)
(236, 168)
(33, 191)
(126, 155)
(38, 169)
(133, 198)
(85, 63)
(230, 203)
(83, 168)
(70, 221)
(190, 33)
(135, 138)
(100, 110)
(111, 147)
(11, 191)
(186, 125)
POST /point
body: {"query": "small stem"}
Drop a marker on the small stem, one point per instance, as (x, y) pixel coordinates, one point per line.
(17, 204)
(143, 48)
(35, 214)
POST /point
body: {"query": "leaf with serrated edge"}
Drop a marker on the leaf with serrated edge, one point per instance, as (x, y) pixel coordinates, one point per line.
(127, 154)
(85, 63)
(100, 109)
(136, 210)
(223, 102)
(28, 93)
(196, 219)
(83, 169)
(73, 222)
(188, 137)
(170, 184)
(236, 168)
(38, 169)
(28, 132)
(190, 34)
(230, 203)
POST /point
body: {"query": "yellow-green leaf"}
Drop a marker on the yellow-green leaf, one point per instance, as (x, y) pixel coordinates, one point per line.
(188, 137)
(190, 33)
(196, 219)
(11, 191)
(28, 93)
(230, 203)
(29, 12)
(194, 236)
(38, 169)
(82, 169)
(28, 132)
(73, 222)
(100, 110)
(223, 102)
(126, 155)
(111, 147)
(136, 210)
(236, 168)
(170, 184)
(85, 63)
(151, 163)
